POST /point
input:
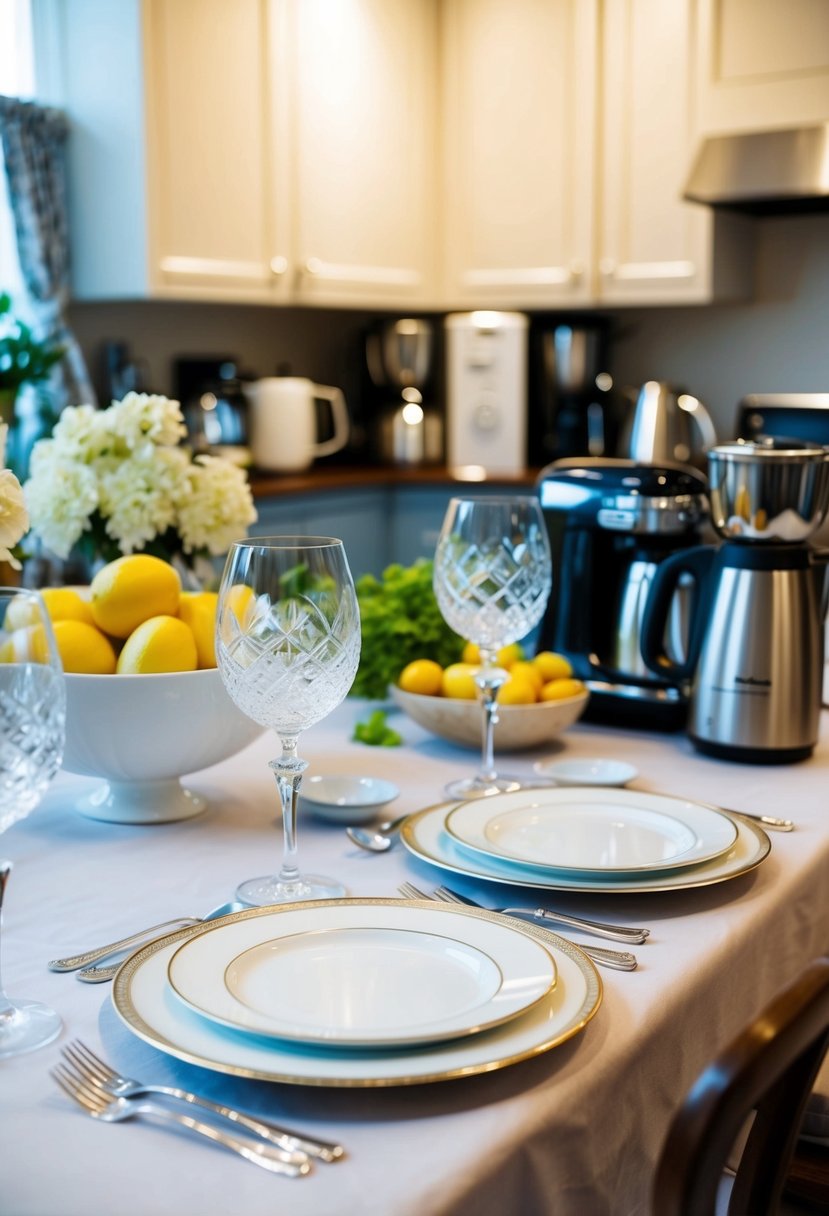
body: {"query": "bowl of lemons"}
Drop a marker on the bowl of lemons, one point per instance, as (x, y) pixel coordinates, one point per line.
(145, 704)
(539, 699)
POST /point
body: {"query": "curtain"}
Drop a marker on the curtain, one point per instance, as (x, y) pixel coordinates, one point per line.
(34, 140)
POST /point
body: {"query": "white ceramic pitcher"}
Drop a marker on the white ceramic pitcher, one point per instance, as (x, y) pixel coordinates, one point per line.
(283, 422)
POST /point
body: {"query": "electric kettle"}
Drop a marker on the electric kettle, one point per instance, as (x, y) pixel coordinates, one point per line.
(756, 646)
(283, 422)
(667, 424)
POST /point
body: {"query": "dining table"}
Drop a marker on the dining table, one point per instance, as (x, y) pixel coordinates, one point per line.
(573, 1130)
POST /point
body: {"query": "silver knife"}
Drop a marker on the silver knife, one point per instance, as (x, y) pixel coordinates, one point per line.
(76, 962)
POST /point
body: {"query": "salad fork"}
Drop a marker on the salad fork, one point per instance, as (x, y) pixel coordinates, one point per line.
(101, 1105)
(95, 1073)
(619, 960)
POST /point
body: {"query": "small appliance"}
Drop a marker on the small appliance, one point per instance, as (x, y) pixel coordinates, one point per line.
(611, 523)
(756, 647)
(399, 358)
(486, 398)
(284, 425)
(214, 407)
(668, 424)
(573, 410)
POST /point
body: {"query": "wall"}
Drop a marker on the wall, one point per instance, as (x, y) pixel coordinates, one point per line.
(778, 342)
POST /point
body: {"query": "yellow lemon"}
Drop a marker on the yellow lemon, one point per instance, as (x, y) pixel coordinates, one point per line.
(505, 657)
(471, 653)
(558, 690)
(83, 648)
(423, 676)
(130, 590)
(517, 690)
(459, 683)
(240, 600)
(163, 643)
(525, 670)
(552, 666)
(62, 603)
(198, 610)
(24, 645)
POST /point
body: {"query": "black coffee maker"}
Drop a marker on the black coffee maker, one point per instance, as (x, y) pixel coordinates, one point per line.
(611, 523)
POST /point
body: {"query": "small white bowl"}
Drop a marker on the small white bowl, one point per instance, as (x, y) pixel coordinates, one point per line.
(346, 799)
(587, 772)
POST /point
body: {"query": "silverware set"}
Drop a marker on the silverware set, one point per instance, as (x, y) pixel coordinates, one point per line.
(107, 1095)
(619, 960)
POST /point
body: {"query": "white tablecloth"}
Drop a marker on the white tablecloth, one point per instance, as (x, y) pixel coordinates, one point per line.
(576, 1130)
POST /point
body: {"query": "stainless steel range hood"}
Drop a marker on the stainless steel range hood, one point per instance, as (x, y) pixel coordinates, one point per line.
(781, 172)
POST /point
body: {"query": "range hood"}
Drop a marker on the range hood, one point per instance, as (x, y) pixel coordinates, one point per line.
(784, 172)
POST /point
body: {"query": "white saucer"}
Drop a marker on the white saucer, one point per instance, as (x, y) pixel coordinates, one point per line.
(345, 798)
(587, 772)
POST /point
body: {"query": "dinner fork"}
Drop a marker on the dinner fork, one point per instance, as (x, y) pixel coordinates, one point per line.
(101, 1105)
(620, 960)
(94, 1072)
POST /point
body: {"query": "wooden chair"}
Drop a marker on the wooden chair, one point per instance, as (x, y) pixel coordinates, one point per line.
(769, 1068)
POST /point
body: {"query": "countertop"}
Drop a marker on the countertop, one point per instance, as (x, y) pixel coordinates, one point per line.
(319, 478)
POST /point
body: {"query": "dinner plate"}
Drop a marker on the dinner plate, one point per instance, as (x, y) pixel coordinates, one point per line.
(147, 1006)
(424, 835)
(355, 974)
(592, 832)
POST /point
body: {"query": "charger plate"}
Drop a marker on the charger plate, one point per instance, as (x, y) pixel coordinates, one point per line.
(147, 1006)
(593, 832)
(424, 835)
(352, 974)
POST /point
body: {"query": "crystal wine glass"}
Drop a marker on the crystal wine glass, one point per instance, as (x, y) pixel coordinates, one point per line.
(492, 580)
(288, 646)
(32, 733)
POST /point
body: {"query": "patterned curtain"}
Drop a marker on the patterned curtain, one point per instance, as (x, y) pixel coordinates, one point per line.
(34, 139)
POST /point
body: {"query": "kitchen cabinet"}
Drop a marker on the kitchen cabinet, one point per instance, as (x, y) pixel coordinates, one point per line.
(761, 64)
(569, 134)
(277, 151)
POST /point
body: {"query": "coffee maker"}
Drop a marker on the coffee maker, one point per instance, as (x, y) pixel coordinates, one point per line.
(755, 653)
(573, 408)
(611, 523)
(407, 428)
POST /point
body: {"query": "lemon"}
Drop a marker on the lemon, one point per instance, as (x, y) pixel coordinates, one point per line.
(198, 610)
(505, 657)
(240, 600)
(552, 666)
(423, 676)
(517, 690)
(528, 671)
(459, 682)
(558, 690)
(83, 648)
(62, 603)
(130, 590)
(163, 643)
(24, 645)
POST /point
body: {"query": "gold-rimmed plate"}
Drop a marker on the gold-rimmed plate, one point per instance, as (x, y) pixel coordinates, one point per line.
(146, 1005)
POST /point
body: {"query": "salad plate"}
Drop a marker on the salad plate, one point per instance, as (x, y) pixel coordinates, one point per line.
(584, 830)
(424, 835)
(146, 1005)
(350, 973)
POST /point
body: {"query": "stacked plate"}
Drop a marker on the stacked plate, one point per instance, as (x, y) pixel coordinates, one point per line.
(587, 839)
(357, 992)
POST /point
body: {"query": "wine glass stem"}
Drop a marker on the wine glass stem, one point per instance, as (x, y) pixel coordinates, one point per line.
(6, 1007)
(489, 679)
(288, 770)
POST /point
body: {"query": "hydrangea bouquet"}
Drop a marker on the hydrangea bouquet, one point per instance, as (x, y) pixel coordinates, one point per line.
(14, 518)
(117, 481)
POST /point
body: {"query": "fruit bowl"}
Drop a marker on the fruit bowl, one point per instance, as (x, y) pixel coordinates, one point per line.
(518, 727)
(141, 733)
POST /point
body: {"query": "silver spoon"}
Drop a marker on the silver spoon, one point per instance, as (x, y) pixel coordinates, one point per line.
(375, 838)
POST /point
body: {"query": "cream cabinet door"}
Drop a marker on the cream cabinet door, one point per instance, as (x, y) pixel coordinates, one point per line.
(519, 121)
(653, 248)
(364, 132)
(762, 64)
(214, 228)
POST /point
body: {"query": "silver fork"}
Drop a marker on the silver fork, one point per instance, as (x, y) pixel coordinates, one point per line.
(101, 1105)
(619, 960)
(616, 933)
(95, 1073)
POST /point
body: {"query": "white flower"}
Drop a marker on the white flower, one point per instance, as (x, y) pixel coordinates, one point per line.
(217, 508)
(14, 518)
(60, 496)
(138, 496)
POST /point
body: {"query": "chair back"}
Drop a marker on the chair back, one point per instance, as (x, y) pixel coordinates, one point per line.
(769, 1068)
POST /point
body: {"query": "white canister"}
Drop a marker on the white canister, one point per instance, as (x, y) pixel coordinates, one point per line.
(283, 422)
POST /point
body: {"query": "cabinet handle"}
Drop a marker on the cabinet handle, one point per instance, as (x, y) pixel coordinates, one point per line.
(576, 270)
(312, 266)
(279, 265)
(607, 268)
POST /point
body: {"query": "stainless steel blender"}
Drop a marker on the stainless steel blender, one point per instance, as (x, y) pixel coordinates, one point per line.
(756, 645)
